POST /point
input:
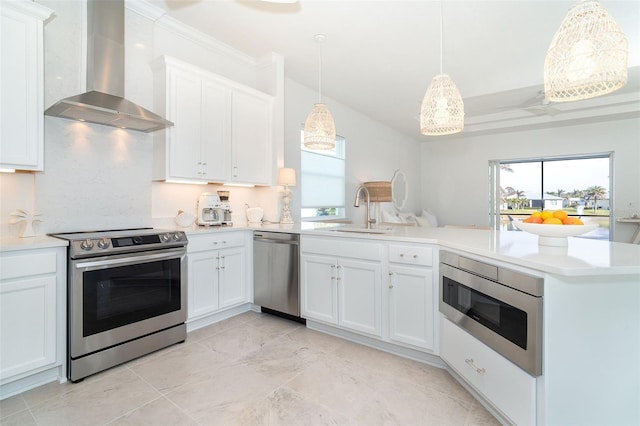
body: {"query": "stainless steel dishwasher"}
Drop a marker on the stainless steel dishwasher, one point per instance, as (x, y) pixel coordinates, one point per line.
(276, 281)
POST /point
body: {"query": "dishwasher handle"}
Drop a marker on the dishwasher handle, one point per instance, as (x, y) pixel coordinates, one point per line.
(277, 238)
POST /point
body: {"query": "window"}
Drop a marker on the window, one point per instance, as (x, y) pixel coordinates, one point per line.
(579, 185)
(323, 182)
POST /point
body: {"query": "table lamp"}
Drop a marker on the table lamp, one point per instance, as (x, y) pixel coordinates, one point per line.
(286, 178)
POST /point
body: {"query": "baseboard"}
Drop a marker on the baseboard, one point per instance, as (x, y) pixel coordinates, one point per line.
(52, 374)
(194, 324)
(391, 348)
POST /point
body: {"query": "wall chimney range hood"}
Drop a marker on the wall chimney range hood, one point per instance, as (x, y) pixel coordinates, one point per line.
(104, 101)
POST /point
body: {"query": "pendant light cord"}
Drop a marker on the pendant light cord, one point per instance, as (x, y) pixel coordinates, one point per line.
(319, 70)
(441, 37)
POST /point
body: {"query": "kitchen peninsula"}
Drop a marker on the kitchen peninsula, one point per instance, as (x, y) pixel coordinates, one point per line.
(590, 324)
(591, 315)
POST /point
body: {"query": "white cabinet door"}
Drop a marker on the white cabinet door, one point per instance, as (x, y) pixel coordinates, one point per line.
(202, 283)
(216, 142)
(411, 312)
(22, 85)
(359, 296)
(318, 290)
(232, 276)
(184, 137)
(27, 324)
(251, 139)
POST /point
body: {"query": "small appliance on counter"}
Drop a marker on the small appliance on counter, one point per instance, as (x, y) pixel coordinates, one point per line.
(224, 201)
(210, 210)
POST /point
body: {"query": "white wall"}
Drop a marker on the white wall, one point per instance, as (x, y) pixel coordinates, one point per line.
(373, 151)
(455, 171)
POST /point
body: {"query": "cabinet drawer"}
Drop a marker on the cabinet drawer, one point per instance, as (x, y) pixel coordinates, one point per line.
(215, 241)
(507, 387)
(414, 255)
(23, 265)
(342, 247)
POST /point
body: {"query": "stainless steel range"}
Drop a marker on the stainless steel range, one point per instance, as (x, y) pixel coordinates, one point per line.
(126, 296)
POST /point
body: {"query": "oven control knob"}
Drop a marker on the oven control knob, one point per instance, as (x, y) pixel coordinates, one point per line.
(103, 243)
(177, 236)
(86, 244)
(165, 237)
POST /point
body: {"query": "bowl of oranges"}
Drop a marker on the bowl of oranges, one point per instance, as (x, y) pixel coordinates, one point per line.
(553, 227)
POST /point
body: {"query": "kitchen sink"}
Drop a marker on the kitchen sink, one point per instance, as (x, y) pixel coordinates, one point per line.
(361, 230)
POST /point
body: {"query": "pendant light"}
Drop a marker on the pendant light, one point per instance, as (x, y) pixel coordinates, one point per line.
(587, 56)
(319, 129)
(442, 111)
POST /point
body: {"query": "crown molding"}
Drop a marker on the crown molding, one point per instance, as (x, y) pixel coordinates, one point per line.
(160, 17)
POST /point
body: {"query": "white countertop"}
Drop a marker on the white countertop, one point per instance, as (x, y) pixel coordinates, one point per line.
(40, 241)
(582, 257)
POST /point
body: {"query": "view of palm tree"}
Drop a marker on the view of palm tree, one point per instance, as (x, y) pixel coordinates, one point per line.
(541, 185)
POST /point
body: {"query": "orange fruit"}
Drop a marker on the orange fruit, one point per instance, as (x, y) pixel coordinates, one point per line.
(559, 214)
(576, 221)
(552, 221)
(546, 215)
(567, 221)
(536, 214)
(535, 219)
(528, 220)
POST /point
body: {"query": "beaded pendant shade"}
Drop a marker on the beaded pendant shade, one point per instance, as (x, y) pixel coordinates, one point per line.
(442, 110)
(587, 56)
(319, 128)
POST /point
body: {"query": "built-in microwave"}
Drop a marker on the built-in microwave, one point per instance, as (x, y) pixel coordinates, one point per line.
(499, 306)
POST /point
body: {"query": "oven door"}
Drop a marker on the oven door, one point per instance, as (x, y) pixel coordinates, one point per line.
(113, 299)
(505, 319)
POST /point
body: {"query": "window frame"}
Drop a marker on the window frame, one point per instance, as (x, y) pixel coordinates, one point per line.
(494, 182)
(338, 152)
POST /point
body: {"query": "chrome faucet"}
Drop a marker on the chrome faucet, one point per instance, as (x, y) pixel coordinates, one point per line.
(356, 203)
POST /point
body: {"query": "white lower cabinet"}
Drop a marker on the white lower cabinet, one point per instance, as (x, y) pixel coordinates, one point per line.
(411, 295)
(217, 273)
(508, 388)
(411, 314)
(342, 290)
(32, 310)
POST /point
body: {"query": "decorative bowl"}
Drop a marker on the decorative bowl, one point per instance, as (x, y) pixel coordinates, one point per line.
(184, 220)
(254, 214)
(553, 235)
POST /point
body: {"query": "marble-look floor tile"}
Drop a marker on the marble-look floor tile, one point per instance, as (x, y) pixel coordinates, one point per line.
(342, 386)
(158, 412)
(230, 389)
(286, 407)
(210, 330)
(255, 369)
(21, 418)
(191, 362)
(97, 402)
(242, 340)
(12, 405)
(399, 402)
(394, 366)
(479, 416)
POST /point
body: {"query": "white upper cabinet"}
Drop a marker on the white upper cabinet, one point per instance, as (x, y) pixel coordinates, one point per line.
(22, 85)
(222, 132)
(251, 136)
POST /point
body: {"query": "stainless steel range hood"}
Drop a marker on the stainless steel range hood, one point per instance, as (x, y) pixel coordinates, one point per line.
(104, 101)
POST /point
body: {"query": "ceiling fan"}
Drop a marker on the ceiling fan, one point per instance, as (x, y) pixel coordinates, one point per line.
(537, 105)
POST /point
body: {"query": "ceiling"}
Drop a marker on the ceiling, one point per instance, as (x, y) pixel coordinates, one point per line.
(380, 56)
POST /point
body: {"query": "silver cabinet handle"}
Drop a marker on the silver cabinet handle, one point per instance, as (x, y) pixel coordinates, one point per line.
(415, 256)
(470, 363)
(333, 270)
(338, 278)
(390, 279)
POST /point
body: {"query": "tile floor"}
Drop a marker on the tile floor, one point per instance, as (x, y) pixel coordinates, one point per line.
(255, 369)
